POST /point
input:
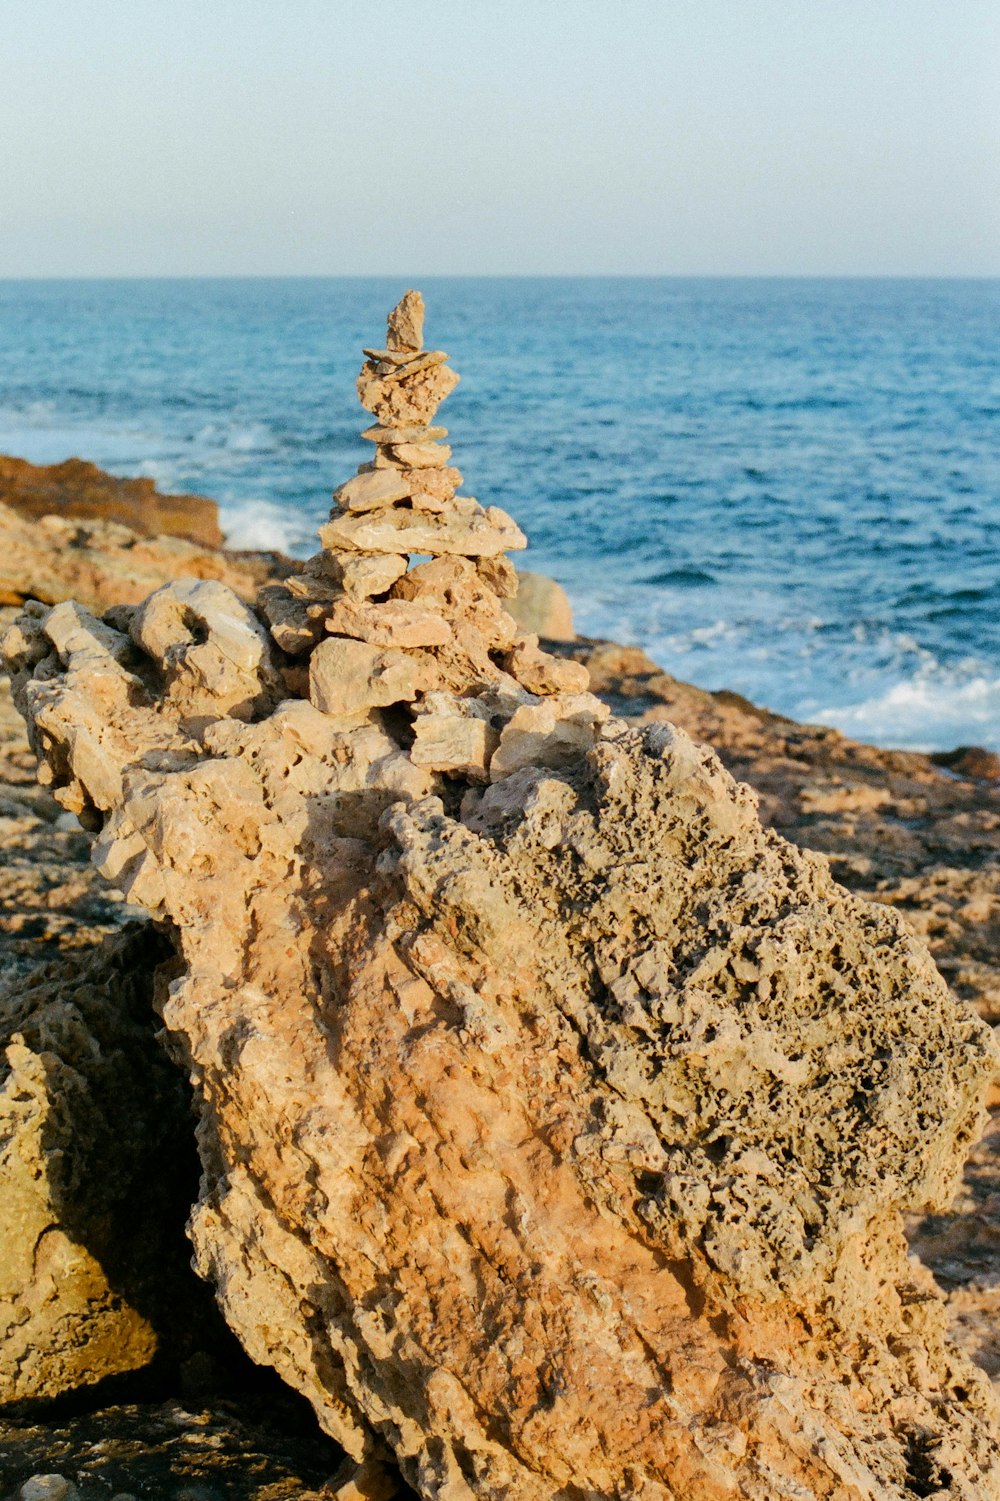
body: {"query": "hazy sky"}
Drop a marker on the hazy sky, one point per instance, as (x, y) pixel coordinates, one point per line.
(176, 137)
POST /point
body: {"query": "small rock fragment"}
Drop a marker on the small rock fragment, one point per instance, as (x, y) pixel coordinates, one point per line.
(395, 437)
(420, 455)
(542, 673)
(550, 733)
(454, 735)
(393, 622)
(350, 677)
(499, 574)
(369, 492)
(48, 1488)
(481, 535)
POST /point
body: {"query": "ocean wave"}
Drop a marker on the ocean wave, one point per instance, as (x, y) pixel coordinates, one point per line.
(263, 526)
(236, 437)
(928, 712)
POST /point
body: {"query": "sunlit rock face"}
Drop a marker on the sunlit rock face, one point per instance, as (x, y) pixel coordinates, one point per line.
(556, 1119)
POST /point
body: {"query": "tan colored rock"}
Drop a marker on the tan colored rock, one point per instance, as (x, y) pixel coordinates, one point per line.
(694, 1141)
(212, 651)
(400, 358)
(417, 435)
(499, 575)
(371, 491)
(406, 395)
(438, 484)
(359, 574)
(296, 624)
(541, 605)
(448, 580)
(453, 585)
(97, 1167)
(541, 673)
(480, 535)
(101, 563)
(399, 366)
(406, 323)
(454, 735)
(392, 622)
(351, 677)
(420, 455)
(550, 733)
(78, 491)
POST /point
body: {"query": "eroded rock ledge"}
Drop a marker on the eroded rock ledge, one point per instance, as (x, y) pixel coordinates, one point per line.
(79, 489)
(556, 1119)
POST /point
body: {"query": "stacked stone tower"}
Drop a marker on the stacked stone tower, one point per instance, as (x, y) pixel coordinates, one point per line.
(482, 698)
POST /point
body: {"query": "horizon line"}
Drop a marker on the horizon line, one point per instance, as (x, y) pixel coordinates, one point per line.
(360, 276)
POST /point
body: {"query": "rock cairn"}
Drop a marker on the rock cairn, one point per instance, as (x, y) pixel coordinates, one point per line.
(379, 632)
(555, 1117)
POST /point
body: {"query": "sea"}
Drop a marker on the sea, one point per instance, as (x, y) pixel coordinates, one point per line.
(786, 488)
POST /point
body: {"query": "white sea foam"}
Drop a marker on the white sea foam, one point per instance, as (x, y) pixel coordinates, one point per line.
(871, 682)
(234, 437)
(933, 711)
(261, 525)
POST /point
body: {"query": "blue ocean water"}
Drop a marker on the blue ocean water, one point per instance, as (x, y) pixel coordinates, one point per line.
(786, 488)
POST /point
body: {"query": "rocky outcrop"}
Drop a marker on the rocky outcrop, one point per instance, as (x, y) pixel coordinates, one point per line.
(101, 563)
(96, 1168)
(97, 1162)
(898, 830)
(556, 1118)
(79, 491)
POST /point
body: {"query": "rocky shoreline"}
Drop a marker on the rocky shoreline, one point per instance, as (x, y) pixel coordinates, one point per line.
(896, 827)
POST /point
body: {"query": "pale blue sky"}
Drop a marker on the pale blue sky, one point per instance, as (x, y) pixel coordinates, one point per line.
(215, 137)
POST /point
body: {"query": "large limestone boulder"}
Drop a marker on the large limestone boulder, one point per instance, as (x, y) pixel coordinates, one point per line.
(556, 1119)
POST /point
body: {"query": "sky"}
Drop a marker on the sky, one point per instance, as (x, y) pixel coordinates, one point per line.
(529, 137)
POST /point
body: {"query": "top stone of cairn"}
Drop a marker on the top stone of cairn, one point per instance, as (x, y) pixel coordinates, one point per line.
(406, 323)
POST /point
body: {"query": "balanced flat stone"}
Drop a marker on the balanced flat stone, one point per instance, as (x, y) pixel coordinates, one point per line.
(391, 622)
(391, 365)
(392, 356)
(394, 435)
(422, 455)
(372, 490)
(363, 574)
(359, 574)
(482, 535)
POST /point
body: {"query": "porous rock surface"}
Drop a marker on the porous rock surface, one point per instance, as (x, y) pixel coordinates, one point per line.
(556, 1118)
(103, 563)
(898, 829)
